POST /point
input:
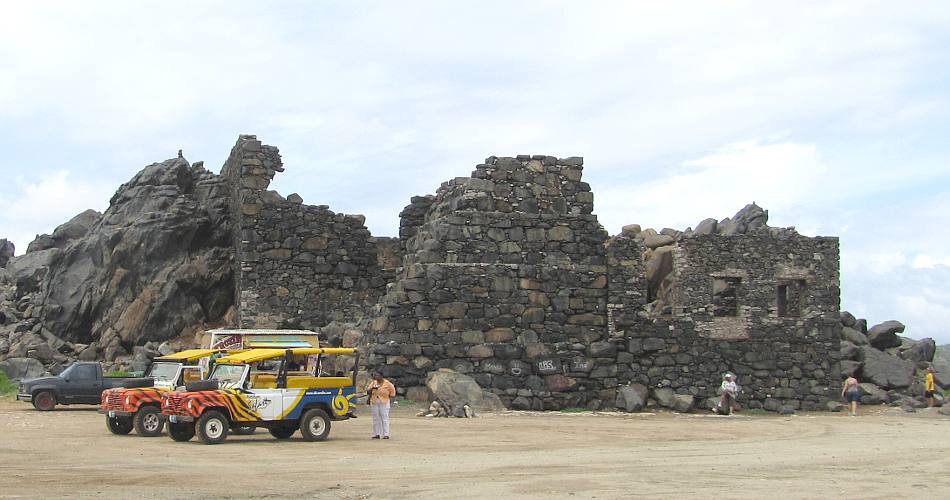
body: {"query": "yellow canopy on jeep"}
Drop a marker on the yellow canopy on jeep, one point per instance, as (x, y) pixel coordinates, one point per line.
(188, 355)
(262, 354)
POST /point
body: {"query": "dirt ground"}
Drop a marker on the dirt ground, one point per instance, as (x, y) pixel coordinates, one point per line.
(882, 454)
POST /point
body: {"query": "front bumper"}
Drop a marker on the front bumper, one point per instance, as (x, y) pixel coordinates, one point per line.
(177, 419)
(24, 397)
(116, 413)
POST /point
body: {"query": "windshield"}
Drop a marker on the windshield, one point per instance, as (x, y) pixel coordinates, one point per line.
(228, 376)
(67, 371)
(164, 372)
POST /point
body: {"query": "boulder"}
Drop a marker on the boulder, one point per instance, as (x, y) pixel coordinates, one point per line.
(750, 219)
(664, 396)
(21, 368)
(707, 226)
(848, 319)
(849, 368)
(658, 240)
(849, 351)
(786, 410)
(835, 406)
(684, 403)
(861, 325)
(921, 351)
(7, 249)
(75, 228)
(884, 335)
(942, 379)
(454, 390)
(872, 394)
(886, 371)
(944, 410)
(633, 397)
(853, 336)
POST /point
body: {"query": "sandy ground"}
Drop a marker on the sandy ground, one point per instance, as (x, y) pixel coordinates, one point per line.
(882, 454)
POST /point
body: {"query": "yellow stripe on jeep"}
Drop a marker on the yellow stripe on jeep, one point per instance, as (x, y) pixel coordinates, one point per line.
(293, 405)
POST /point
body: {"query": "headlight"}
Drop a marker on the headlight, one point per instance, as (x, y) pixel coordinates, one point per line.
(191, 404)
(128, 400)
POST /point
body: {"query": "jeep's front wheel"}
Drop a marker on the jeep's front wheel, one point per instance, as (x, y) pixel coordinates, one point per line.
(44, 401)
(182, 431)
(148, 421)
(315, 425)
(212, 427)
(119, 425)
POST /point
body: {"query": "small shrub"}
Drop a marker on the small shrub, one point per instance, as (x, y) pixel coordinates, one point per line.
(7, 387)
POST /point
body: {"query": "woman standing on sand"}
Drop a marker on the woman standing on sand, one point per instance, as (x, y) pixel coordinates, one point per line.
(850, 389)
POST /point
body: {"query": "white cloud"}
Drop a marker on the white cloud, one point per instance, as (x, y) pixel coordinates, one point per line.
(44, 204)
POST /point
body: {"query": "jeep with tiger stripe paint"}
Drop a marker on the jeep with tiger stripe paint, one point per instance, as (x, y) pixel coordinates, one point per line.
(140, 407)
(282, 390)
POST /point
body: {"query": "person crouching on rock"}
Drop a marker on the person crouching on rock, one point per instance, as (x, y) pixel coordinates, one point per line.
(380, 391)
(851, 391)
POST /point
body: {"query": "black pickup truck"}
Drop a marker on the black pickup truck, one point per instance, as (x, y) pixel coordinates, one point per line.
(81, 383)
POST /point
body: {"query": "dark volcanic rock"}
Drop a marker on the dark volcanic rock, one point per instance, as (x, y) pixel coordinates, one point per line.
(886, 371)
(632, 398)
(922, 351)
(156, 264)
(884, 335)
(6, 251)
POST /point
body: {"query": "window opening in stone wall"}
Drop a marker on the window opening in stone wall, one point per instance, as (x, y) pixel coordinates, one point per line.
(790, 296)
(725, 296)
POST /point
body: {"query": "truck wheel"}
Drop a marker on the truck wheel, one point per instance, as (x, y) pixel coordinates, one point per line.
(315, 425)
(282, 432)
(244, 430)
(212, 427)
(44, 401)
(182, 431)
(119, 425)
(148, 421)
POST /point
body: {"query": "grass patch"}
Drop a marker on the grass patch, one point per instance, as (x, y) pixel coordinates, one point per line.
(7, 387)
(573, 410)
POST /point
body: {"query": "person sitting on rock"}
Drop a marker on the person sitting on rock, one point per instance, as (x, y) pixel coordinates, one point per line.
(851, 390)
(728, 391)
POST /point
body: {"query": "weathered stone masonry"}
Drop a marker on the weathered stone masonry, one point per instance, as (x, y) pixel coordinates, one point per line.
(296, 265)
(508, 276)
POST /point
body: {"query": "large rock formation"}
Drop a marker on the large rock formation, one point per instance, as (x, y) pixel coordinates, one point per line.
(154, 266)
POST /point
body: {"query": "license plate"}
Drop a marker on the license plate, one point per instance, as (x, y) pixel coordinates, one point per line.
(111, 414)
(173, 419)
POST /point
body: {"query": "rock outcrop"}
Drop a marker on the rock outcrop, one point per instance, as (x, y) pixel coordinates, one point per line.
(156, 265)
(7, 249)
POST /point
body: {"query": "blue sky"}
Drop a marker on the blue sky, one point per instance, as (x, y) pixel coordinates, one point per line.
(834, 116)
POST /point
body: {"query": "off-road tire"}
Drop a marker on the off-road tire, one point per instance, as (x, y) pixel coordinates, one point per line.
(119, 425)
(282, 432)
(244, 430)
(148, 421)
(182, 431)
(212, 427)
(315, 425)
(202, 385)
(44, 400)
(133, 383)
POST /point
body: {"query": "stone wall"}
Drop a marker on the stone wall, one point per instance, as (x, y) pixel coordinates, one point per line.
(296, 265)
(504, 279)
(761, 305)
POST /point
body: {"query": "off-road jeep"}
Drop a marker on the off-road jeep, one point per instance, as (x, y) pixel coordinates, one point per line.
(279, 389)
(140, 407)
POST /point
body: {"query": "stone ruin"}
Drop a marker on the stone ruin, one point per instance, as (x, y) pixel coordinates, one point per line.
(505, 276)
